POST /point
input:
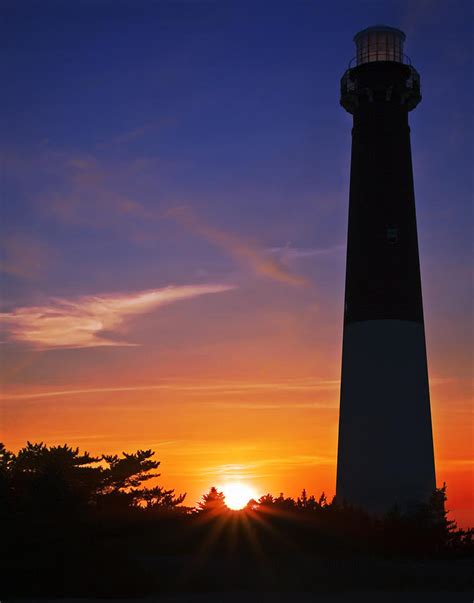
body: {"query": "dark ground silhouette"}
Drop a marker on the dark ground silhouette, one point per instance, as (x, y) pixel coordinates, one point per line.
(76, 525)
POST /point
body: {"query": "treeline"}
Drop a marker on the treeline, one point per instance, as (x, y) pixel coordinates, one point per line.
(42, 479)
(77, 524)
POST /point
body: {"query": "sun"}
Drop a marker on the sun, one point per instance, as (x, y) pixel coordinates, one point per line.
(237, 495)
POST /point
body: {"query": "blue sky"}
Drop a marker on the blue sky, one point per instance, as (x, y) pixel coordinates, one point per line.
(229, 109)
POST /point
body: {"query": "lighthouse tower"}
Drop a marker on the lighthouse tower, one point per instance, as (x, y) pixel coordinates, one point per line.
(385, 449)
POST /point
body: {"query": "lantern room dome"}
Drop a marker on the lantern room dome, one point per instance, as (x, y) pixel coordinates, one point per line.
(379, 43)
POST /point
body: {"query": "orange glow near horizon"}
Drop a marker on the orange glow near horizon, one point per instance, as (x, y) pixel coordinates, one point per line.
(225, 387)
(243, 436)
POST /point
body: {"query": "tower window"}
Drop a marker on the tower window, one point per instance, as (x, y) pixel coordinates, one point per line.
(392, 236)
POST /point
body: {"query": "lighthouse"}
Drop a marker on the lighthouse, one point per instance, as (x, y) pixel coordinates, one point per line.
(385, 447)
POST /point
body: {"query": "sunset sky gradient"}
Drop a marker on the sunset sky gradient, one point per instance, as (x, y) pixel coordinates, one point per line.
(174, 186)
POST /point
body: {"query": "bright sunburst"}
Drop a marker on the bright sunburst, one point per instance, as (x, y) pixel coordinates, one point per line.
(237, 495)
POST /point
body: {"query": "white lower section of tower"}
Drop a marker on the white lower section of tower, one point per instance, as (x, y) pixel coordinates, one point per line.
(385, 453)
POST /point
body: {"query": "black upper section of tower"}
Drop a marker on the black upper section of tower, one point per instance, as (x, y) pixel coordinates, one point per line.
(383, 273)
(380, 81)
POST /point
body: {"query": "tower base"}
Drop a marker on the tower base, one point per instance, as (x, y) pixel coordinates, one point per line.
(385, 455)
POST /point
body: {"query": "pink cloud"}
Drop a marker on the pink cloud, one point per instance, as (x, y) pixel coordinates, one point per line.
(241, 250)
(84, 322)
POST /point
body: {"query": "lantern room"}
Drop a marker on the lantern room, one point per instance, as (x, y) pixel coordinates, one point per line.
(379, 43)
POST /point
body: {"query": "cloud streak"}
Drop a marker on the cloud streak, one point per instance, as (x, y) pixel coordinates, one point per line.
(288, 254)
(241, 250)
(253, 469)
(92, 193)
(87, 321)
(134, 133)
(24, 256)
(218, 388)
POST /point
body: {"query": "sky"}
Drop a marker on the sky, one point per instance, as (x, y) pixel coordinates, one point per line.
(174, 196)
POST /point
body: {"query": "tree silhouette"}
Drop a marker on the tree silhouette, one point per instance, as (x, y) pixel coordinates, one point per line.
(122, 478)
(309, 503)
(58, 478)
(266, 500)
(157, 498)
(284, 503)
(213, 502)
(50, 479)
(128, 471)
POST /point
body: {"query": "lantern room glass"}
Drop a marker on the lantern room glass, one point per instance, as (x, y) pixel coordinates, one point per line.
(379, 44)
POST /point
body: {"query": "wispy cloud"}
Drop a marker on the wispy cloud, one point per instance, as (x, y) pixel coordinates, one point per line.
(240, 249)
(133, 133)
(24, 256)
(288, 254)
(279, 406)
(95, 192)
(218, 388)
(457, 463)
(92, 192)
(253, 469)
(86, 321)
